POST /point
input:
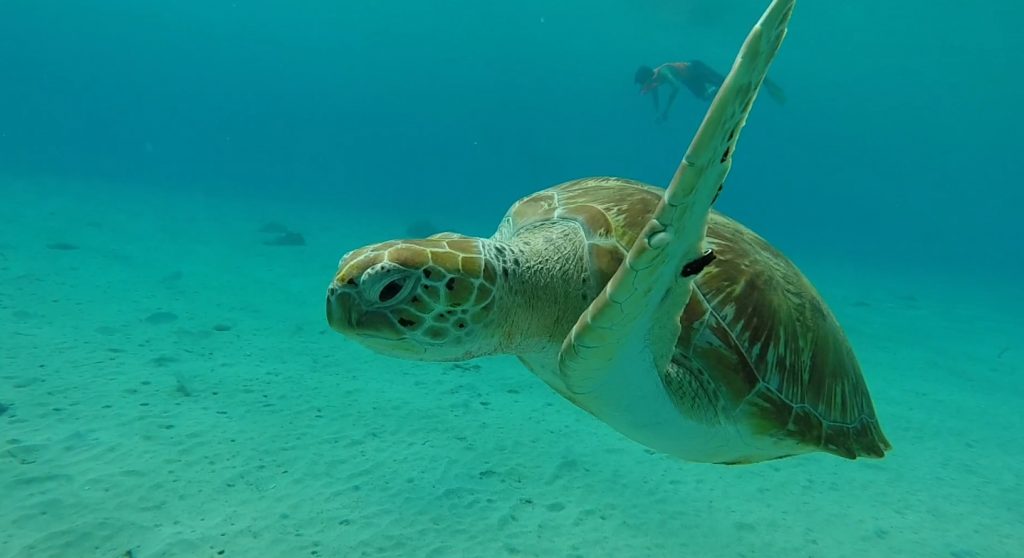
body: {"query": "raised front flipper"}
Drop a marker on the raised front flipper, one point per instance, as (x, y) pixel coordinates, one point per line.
(629, 331)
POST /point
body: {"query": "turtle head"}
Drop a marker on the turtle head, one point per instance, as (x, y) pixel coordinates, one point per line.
(430, 299)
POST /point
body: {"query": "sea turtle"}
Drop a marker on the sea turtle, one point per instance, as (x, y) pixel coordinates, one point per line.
(672, 323)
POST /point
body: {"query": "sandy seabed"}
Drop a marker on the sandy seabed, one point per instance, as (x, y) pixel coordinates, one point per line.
(169, 388)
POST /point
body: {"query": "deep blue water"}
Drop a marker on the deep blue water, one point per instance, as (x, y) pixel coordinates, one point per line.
(900, 137)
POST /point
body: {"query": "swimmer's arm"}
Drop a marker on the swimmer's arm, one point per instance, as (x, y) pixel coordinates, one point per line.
(671, 99)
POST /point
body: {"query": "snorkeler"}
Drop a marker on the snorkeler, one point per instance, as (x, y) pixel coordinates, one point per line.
(695, 75)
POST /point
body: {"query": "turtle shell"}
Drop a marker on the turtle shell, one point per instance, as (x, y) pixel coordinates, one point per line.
(758, 346)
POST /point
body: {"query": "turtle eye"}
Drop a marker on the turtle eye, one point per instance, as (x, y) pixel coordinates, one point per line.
(391, 289)
(388, 286)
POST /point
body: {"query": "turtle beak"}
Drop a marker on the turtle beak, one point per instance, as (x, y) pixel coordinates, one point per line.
(347, 316)
(340, 309)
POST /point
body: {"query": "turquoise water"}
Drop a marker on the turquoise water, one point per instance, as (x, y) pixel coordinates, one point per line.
(169, 386)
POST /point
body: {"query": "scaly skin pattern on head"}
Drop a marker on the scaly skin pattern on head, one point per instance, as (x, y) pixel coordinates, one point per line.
(452, 297)
(425, 291)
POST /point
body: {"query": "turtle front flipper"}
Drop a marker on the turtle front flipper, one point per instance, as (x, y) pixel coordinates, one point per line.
(630, 329)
